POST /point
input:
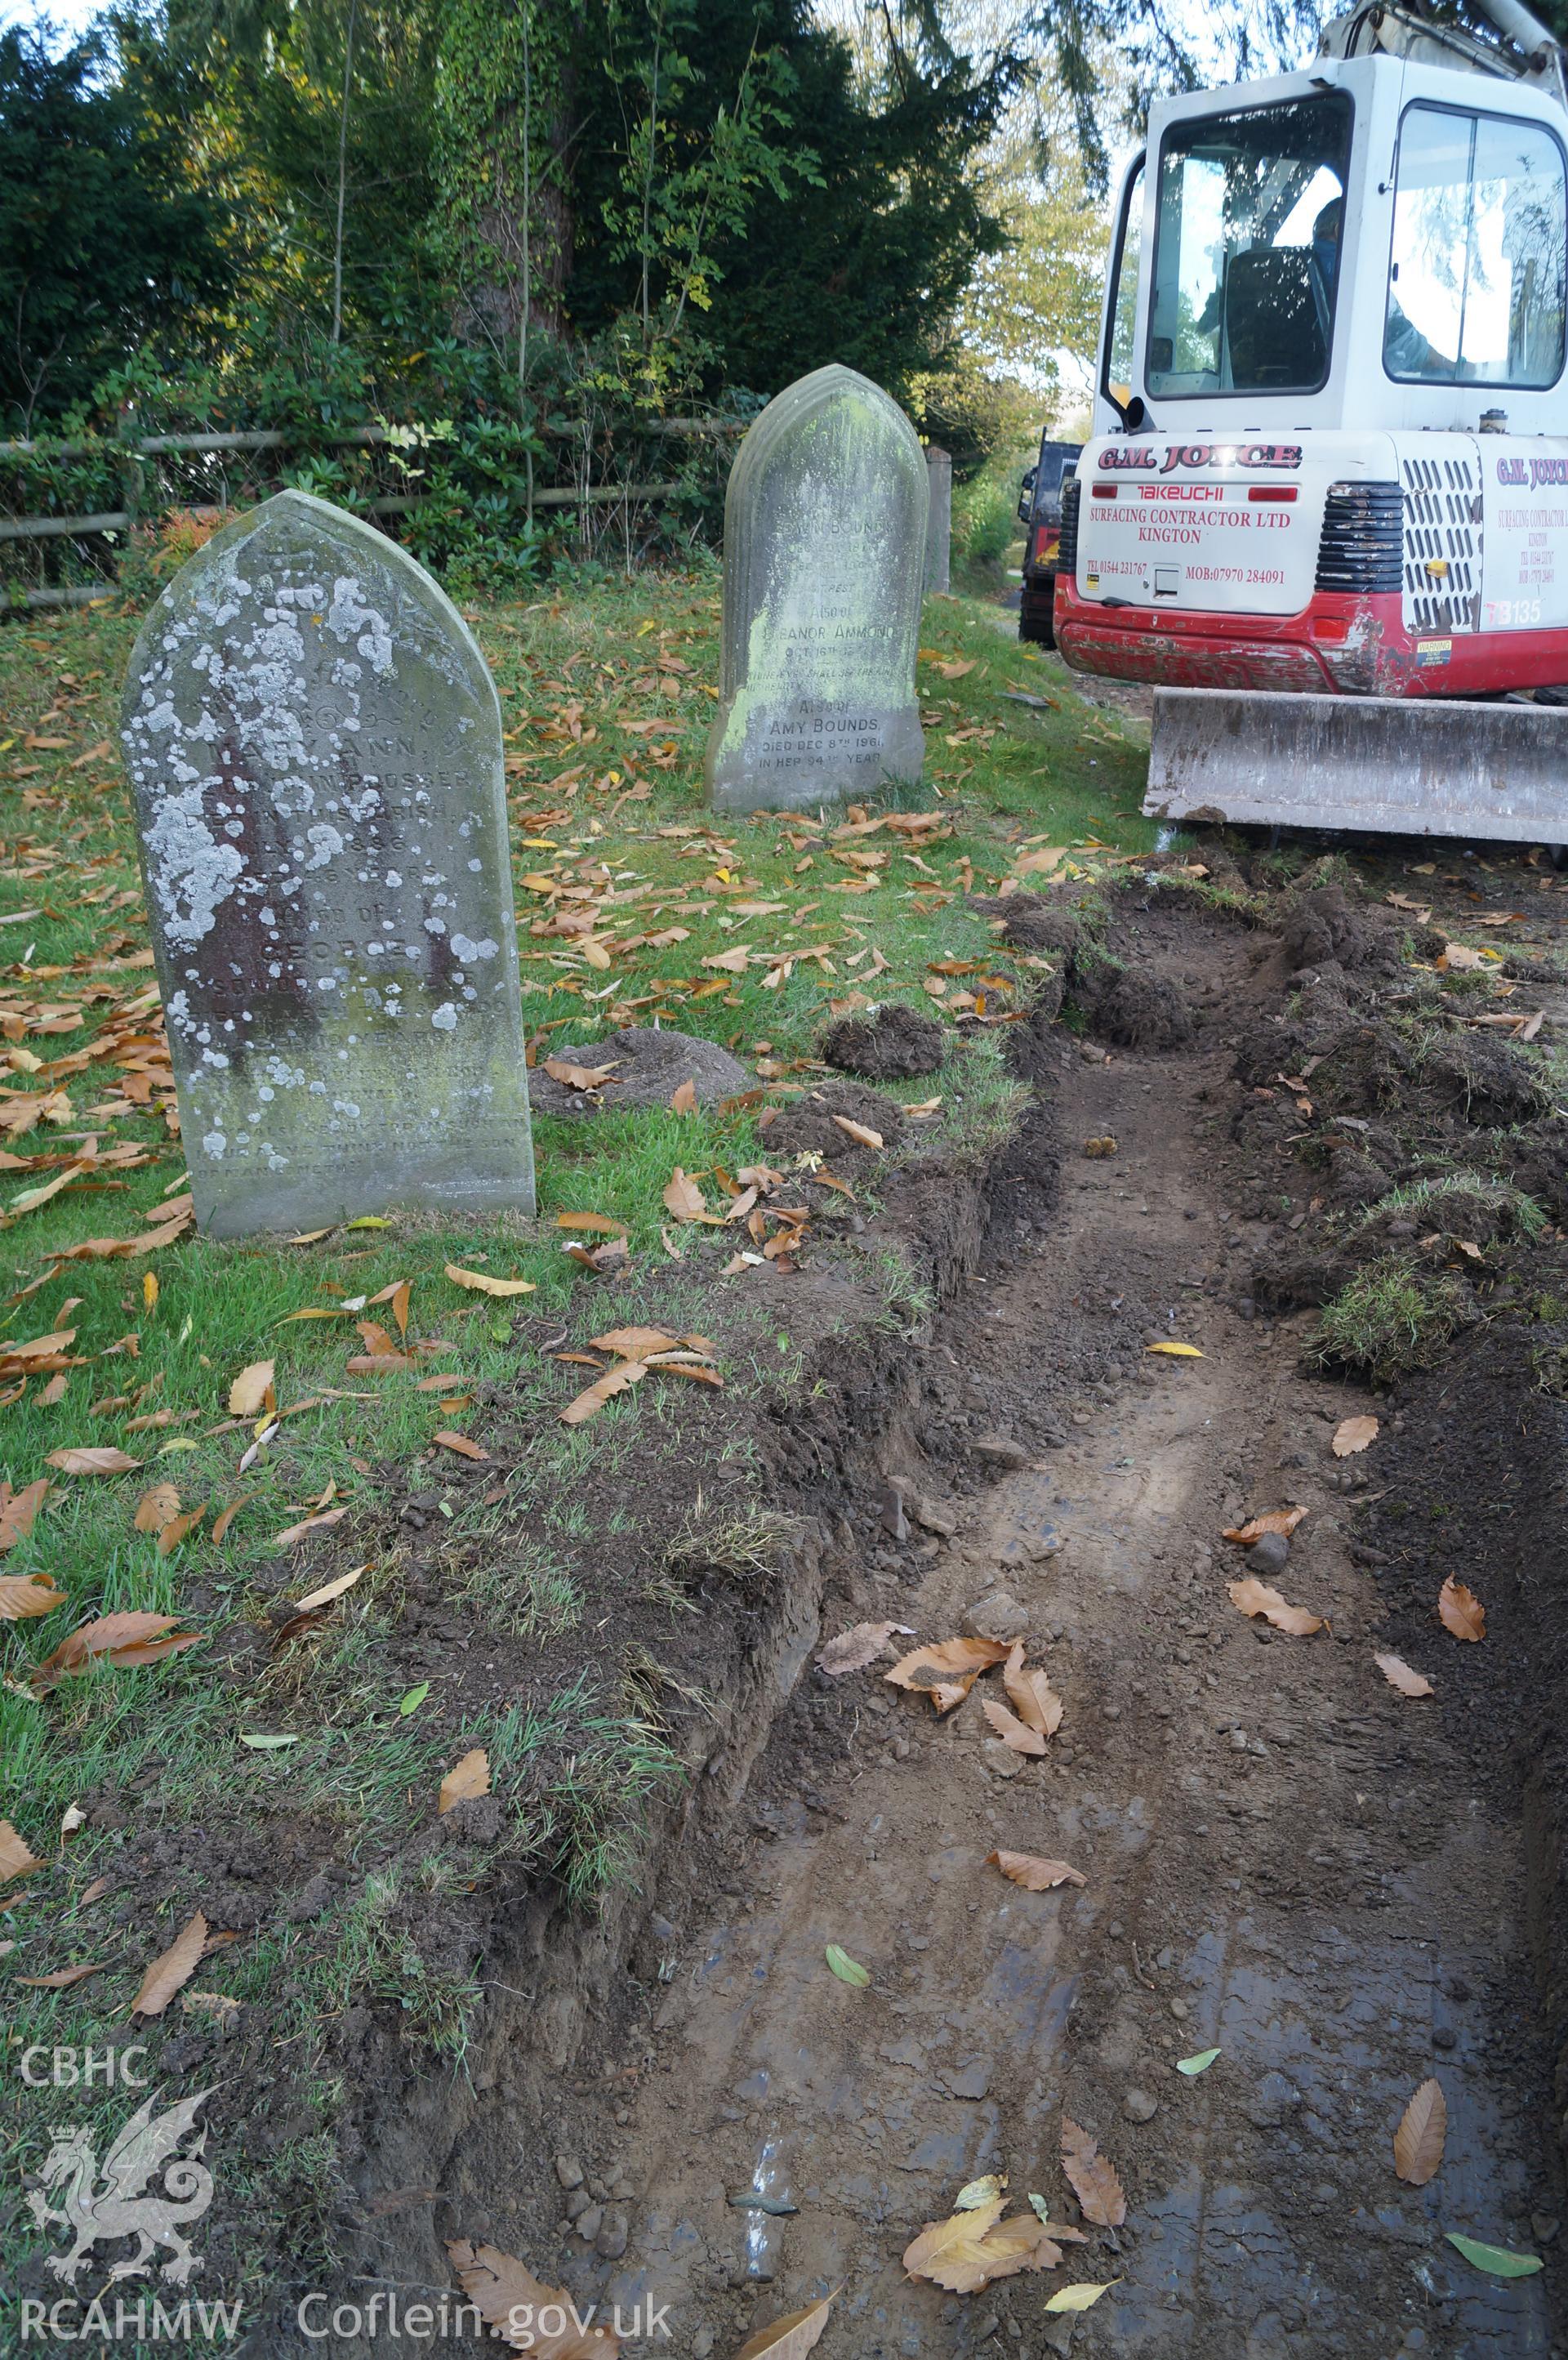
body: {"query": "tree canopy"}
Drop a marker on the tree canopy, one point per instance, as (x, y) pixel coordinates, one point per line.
(105, 239)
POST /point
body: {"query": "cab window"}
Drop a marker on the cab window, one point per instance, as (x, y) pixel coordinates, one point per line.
(1247, 223)
(1476, 274)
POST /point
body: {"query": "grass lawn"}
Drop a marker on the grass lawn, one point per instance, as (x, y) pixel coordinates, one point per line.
(748, 932)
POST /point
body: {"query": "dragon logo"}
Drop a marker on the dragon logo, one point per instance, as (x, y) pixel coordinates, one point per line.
(103, 2203)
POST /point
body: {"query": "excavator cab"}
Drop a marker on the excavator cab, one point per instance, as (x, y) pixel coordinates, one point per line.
(1329, 465)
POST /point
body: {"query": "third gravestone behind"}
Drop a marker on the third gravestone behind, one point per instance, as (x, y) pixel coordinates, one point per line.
(939, 514)
(824, 561)
(314, 743)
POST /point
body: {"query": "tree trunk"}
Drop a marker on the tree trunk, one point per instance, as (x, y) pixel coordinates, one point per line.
(525, 290)
(342, 175)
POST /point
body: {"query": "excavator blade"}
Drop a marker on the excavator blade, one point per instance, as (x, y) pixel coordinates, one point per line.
(1411, 766)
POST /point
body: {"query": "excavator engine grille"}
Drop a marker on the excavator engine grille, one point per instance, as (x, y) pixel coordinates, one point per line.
(1443, 544)
(1360, 549)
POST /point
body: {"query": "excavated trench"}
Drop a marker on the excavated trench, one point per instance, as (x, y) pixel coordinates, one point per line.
(1341, 1890)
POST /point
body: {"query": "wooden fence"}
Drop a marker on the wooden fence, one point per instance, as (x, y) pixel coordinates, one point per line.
(126, 455)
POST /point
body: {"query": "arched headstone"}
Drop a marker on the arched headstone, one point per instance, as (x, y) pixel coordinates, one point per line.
(314, 744)
(825, 562)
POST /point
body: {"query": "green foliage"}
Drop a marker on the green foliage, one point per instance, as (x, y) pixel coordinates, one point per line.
(108, 242)
(1394, 1315)
(307, 104)
(1450, 1200)
(529, 237)
(694, 156)
(984, 509)
(726, 164)
(888, 231)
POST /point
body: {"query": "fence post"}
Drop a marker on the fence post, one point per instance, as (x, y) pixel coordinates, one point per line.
(131, 473)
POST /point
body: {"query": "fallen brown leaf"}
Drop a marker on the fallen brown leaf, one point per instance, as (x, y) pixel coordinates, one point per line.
(175, 1967)
(861, 1132)
(398, 1294)
(1354, 1434)
(62, 1977)
(684, 1100)
(1013, 1731)
(294, 1533)
(1460, 1611)
(1092, 2180)
(226, 1516)
(633, 1343)
(1035, 1875)
(500, 2286)
(19, 1510)
(854, 1649)
(683, 1197)
(105, 1460)
(123, 1640)
(462, 1444)
(601, 1223)
(972, 2248)
(180, 1528)
(613, 1254)
(1278, 1520)
(247, 1394)
(155, 1508)
(1033, 1699)
(1254, 1597)
(1399, 1675)
(589, 1403)
(1419, 2141)
(481, 1282)
(23, 1596)
(947, 1671)
(791, 2337)
(328, 1590)
(581, 1077)
(16, 1859)
(465, 1779)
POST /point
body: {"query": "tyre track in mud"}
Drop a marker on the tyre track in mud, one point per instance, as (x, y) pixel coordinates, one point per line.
(1284, 1859)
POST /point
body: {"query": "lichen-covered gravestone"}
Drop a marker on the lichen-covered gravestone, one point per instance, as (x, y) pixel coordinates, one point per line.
(314, 743)
(824, 560)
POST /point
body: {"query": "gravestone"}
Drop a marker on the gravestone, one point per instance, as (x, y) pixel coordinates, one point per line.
(314, 744)
(938, 518)
(824, 560)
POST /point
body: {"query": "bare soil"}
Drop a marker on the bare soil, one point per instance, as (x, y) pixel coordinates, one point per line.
(1341, 1890)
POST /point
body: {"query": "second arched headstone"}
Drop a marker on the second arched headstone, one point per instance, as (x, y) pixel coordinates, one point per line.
(824, 562)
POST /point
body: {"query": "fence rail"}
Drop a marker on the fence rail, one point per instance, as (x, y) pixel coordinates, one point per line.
(124, 453)
(279, 438)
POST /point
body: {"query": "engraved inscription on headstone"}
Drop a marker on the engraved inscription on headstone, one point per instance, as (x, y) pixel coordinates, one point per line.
(314, 743)
(824, 557)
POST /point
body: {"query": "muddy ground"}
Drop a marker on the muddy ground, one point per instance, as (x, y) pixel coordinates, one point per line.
(1343, 1890)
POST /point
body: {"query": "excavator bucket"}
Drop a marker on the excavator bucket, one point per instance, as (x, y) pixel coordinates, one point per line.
(1409, 766)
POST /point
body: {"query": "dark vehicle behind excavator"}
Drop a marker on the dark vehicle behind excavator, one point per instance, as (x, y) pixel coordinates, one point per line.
(1039, 513)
